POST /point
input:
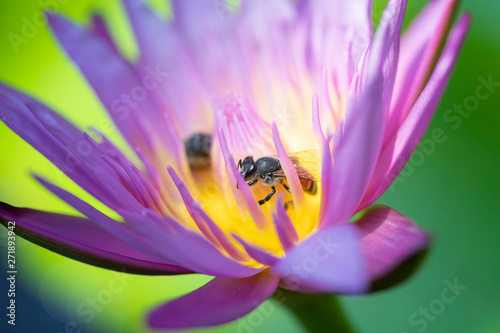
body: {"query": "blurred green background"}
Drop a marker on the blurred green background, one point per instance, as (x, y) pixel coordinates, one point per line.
(450, 188)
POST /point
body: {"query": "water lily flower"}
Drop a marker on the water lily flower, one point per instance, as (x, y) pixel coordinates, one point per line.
(269, 78)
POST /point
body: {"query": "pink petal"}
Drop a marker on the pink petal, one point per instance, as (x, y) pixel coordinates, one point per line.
(420, 47)
(384, 53)
(337, 26)
(290, 173)
(254, 209)
(326, 183)
(388, 239)
(284, 226)
(218, 302)
(354, 158)
(397, 152)
(317, 121)
(357, 150)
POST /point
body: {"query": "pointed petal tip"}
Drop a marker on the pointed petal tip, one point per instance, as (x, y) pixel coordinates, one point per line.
(55, 20)
(171, 171)
(465, 19)
(50, 15)
(287, 166)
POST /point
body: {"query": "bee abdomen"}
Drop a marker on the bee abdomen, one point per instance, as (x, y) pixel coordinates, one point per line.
(198, 150)
(309, 186)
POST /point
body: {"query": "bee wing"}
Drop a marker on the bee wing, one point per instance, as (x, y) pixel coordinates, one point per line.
(307, 163)
(279, 174)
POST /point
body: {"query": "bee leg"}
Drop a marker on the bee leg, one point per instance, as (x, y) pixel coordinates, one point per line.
(252, 182)
(286, 187)
(268, 197)
(288, 204)
(249, 183)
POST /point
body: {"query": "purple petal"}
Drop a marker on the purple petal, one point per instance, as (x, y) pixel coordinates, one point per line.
(217, 302)
(384, 53)
(326, 184)
(260, 255)
(114, 82)
(204, 223)
(356, 14)
(357, 149)
(420, 47)
(196, 17)
(119, 230)
(190, 204)
(339, 32)
(388, 239)
(354, 156)
(202, 256)
(329, 261)
(185, 92)
(148, 28)
(246, 134)
(254, 209)
(64, 145)
(397, 152)
(80, 239)
(258, 17)
(100, 28)
(168, 55)
(317, 121)
(290, 172)
(168, 247)
(132, 180)
(284, 226)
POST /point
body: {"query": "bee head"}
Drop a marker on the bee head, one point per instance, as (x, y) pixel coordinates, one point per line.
(248, 168)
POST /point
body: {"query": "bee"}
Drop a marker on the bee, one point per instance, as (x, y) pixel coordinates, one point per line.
(198, 151)
(269, 171)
